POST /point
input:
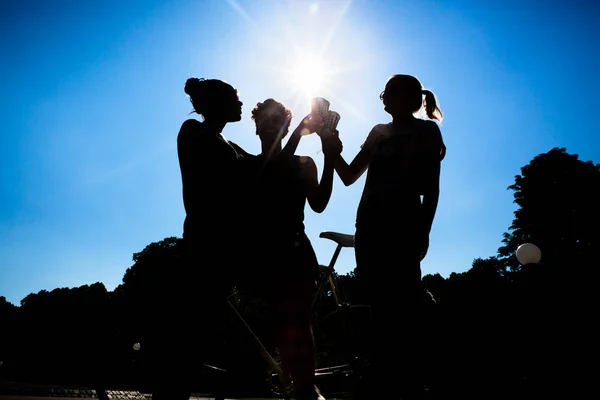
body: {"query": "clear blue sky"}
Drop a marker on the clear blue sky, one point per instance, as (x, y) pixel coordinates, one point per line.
(92, 100)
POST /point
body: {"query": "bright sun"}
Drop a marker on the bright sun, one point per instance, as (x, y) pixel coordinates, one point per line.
(308, 75)
(305, 63)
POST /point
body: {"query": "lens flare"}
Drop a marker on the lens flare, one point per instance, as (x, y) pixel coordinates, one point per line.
(308, 74)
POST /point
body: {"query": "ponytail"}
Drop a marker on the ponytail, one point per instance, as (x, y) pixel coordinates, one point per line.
(431, 107)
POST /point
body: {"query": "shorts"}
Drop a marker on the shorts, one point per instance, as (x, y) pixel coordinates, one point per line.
(285, 275)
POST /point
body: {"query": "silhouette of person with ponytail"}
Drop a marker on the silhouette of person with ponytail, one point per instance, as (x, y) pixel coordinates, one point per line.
(393, 222)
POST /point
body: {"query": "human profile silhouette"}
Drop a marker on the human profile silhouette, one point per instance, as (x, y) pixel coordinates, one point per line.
(393, 221)
(286, 265)
(210, 176)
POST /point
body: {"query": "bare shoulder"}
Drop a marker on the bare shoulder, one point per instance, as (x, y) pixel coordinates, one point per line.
(306, 162)
(308, 168)
(191, 124)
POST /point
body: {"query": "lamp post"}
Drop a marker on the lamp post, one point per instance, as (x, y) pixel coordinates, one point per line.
(528, 255)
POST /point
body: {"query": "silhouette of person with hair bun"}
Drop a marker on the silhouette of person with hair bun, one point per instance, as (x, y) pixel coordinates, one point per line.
(210, 184)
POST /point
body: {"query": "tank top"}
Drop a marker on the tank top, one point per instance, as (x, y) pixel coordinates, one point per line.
(278, 198)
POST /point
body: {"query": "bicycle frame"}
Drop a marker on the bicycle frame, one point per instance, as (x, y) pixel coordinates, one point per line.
(328, 279)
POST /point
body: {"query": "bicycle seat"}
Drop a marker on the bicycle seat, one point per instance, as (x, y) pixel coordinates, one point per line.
(342, 239)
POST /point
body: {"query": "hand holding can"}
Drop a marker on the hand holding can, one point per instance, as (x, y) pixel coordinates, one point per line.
(319, 109)
(331, 121)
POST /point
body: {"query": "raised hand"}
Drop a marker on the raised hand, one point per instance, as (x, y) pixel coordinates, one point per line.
(308, 126)
(332, 145)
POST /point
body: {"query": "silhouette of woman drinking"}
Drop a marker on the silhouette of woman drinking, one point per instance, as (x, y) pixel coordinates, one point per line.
(403, 159)
(287, 265)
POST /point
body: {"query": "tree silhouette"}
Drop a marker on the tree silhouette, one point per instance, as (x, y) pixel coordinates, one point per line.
(63, 335)
(558, 197)
(8, 320)
(496, 330)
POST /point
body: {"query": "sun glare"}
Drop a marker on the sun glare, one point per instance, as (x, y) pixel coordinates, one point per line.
(304, 64)
(308, 75)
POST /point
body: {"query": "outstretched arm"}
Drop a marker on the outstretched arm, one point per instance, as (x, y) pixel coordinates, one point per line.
(319, 193)
(306, 127)
(349, 173)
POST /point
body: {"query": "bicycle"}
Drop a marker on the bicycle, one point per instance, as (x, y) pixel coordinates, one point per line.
(279, 383)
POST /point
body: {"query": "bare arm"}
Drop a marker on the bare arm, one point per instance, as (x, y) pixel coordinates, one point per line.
(304, 128)
(431, 184)
(349, 173)
(431, 196)
(431, 190)
(319, 193)
(290, 147)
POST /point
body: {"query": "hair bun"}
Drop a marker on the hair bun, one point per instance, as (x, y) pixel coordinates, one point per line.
(191, 85)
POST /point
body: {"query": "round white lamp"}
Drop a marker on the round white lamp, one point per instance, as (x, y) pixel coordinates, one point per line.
(136, 346)
(528, 253)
